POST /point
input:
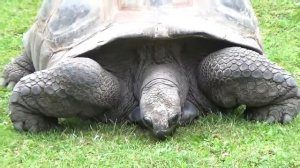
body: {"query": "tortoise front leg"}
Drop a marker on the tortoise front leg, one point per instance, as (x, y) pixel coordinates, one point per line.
(235, 76)
(14, 71)
(75, 87)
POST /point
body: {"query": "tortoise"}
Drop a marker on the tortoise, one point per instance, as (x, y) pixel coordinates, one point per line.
(158, 63)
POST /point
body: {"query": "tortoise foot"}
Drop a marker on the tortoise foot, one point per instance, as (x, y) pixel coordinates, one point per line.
(282, 112)
(29, 122)
(17, 69)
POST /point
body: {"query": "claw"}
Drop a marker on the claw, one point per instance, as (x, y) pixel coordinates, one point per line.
(19, 126)
(2, 82)
(270, 119)
(33, 129)
(286, 118)
(11, 85)
(248, 115)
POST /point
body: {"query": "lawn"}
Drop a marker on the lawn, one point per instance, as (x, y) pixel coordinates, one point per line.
(213, 141)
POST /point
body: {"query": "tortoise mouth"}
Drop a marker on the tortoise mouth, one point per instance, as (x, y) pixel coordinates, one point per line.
(164, 134)
(158, 130)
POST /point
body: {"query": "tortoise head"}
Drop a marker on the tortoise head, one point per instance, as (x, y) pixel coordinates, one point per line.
(161, 109)
(161, 99)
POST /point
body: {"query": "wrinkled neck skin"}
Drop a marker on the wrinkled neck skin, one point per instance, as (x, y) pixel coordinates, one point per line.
(163, 88)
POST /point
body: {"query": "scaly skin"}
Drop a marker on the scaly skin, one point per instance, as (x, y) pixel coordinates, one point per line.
(235, 76)
(163, 89)
(81, 87)
(75, 87)
(162, 97)
(14, 71)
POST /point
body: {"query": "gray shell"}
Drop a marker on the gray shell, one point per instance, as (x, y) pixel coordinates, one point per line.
(67, 28)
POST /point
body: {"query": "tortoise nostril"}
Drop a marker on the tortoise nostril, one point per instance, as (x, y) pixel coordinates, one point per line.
(147, 122)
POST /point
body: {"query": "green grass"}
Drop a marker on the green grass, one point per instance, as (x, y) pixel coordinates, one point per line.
(214, 141)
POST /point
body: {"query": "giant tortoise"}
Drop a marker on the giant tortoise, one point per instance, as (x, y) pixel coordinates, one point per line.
(158, 63)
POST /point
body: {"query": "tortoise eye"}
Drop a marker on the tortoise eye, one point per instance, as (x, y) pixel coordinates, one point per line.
(147, 122)
(173, 120)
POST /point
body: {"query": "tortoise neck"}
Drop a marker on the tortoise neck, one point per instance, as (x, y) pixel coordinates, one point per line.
(163, 52)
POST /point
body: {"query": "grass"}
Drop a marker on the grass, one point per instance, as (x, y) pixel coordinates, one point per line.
(214, 141)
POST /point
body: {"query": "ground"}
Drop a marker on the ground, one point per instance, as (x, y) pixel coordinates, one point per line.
(215, 141)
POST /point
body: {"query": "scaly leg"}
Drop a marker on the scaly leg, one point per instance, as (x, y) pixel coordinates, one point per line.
(235, 76)
(75, 87)
(17, 69)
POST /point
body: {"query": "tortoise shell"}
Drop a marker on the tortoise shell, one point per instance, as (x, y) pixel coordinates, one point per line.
(68, 28)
